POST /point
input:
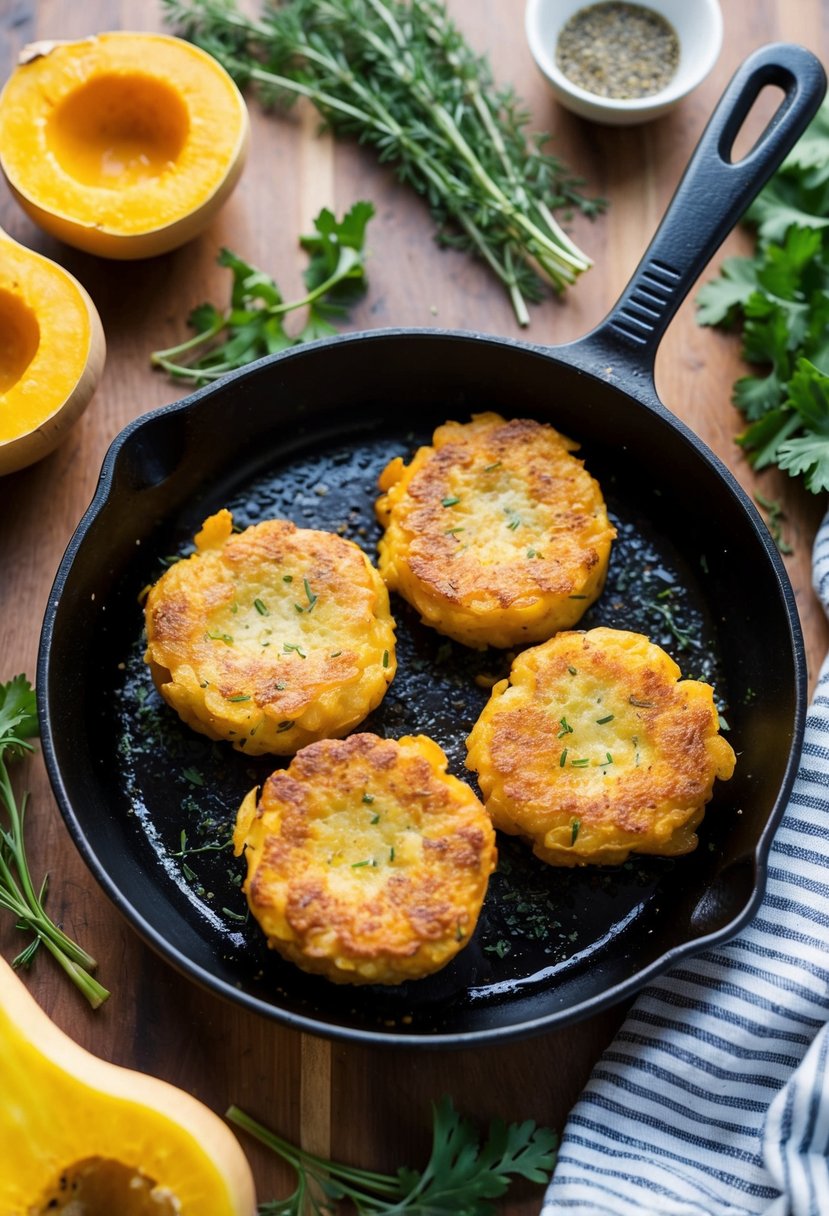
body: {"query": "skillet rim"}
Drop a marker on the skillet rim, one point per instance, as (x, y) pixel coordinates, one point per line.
(575, 356)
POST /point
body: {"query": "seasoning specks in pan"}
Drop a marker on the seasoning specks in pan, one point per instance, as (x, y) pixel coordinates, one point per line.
(533, 922)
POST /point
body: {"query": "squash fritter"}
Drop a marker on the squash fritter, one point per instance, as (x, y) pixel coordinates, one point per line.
(495, 533)
(272, 637)
(595, 748)
(367, 862)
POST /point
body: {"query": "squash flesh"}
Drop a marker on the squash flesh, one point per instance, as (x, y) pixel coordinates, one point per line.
(63, 1106)
(122, 137)
(45, 338)
(19, 340)
(118, 131)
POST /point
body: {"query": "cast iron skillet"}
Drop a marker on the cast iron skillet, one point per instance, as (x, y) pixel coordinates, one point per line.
(304, 434)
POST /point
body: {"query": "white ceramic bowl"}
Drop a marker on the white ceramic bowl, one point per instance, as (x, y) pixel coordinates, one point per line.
(698, 26)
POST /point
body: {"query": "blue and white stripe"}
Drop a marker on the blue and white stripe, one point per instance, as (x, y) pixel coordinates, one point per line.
(713, 1099)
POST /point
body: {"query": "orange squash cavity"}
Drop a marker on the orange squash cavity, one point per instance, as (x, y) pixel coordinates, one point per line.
(76, 1130)
(52, 353)
(123, 144)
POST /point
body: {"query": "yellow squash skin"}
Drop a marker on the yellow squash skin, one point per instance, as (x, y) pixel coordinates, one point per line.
(52, 352)
(62, 1106)
(124, 144)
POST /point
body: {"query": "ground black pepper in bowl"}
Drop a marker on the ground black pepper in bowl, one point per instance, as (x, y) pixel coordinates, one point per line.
(616, 49)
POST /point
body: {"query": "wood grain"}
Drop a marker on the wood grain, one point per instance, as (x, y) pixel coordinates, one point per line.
(365, 1105)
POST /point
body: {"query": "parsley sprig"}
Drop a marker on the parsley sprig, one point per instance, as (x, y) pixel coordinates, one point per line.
(461, 1177)
(18, 894)
(254, 324)
(780, 297)
(399, 76)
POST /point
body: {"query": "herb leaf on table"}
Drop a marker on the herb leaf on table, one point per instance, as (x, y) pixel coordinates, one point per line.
(460, 1178)
(18, 894)
(779, 297)
(399, 76)
(253, 324)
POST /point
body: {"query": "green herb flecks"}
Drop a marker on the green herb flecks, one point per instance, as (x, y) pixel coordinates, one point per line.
(399, 76)
(213, 846)
(461, 1178)
(566, 728)
(776, 515)
(309, 595)
(682, 637)
(18, 894)
(574, 831)
(253, 324)
(293, 648)
(261, 607)
(779, 297)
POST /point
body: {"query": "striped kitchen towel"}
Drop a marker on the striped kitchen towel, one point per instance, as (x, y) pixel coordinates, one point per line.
(713, 1098)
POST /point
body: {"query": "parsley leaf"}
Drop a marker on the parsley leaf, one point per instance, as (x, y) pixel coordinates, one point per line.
(253, 325)
(461, 1176)
(808, 454)
(18, 715)
(780, 299)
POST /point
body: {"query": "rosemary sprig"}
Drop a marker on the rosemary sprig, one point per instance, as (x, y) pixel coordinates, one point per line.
(400, 77)
(18, 724)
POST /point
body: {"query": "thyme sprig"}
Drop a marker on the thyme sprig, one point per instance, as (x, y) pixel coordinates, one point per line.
(400, 77)
(18, 894)
(460, 1178)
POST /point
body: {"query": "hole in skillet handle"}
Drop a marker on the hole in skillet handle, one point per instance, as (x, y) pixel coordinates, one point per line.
(712, 196)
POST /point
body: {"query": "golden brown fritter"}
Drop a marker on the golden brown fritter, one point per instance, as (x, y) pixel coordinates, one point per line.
(595, 748)
(271, 637)
(496, 533)
(367, 862)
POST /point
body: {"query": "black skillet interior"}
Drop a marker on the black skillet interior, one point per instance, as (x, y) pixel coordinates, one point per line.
(690, 569)
(304, 435)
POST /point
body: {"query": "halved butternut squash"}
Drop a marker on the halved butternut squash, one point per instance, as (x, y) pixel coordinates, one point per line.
(123, 144)
(52, 352)
(83, 1136)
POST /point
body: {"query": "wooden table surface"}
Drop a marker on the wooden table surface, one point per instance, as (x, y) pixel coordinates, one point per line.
(367, 1106)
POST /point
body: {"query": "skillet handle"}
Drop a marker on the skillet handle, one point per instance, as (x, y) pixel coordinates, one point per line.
(710, 199)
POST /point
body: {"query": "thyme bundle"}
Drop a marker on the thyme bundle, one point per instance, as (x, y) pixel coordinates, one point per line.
(400, 77)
